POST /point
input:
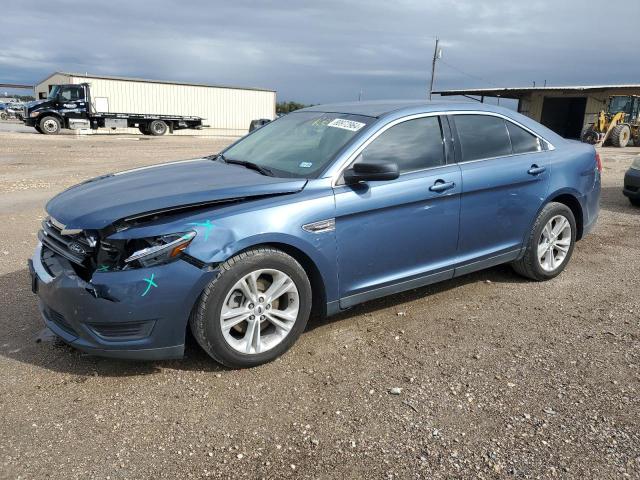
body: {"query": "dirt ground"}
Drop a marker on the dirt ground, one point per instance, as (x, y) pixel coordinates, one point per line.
(500, 377)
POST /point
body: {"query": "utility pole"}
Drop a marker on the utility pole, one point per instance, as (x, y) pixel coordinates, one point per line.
(360, 95)
(436, 55)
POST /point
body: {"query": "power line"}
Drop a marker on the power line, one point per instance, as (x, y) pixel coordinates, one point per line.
(469, 74)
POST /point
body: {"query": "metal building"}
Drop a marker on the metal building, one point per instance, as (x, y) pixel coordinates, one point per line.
(227, 111)
(565, 110)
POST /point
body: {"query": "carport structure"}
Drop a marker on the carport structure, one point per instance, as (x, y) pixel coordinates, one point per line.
(565, 110)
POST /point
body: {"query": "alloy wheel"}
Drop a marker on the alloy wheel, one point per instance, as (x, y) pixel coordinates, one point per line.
(554, 243)
(259, 311)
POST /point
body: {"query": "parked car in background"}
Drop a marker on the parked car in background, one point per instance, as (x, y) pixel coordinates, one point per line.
(13, 110)
(319, 210)
(255, 124)
(632, 183)
(3, 111)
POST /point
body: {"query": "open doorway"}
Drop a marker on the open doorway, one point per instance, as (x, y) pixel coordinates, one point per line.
(565, 116)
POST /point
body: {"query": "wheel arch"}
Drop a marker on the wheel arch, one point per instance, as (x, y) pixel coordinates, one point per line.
(570, 199)
(53, 113)
(318, 287)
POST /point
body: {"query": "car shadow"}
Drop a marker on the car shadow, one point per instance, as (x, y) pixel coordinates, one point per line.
(612, 200)
(23, 337)
(499, 274)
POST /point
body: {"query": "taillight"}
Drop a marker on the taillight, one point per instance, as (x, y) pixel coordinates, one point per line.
(598, 162)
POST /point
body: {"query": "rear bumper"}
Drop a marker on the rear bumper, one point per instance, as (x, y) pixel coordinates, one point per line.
(111, 315)
(632, 183)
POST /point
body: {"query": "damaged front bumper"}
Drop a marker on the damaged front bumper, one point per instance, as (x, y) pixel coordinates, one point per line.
(133, 314)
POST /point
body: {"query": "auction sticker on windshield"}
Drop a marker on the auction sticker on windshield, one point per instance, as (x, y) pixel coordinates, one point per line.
(346, 124)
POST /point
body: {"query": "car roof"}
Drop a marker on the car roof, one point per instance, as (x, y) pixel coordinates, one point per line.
(392, 109)
(379, 108)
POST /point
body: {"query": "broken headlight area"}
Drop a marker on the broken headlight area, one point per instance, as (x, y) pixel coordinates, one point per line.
(142, 252)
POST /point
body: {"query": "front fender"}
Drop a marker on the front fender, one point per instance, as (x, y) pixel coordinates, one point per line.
(319, 248)
(225, 231)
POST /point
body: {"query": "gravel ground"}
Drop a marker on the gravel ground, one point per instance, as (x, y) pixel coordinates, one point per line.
(485, 376)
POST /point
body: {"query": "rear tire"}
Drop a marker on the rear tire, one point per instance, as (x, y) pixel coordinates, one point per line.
(158, 128)
(548, 251)
(620, 136)
(235, 346)
(50, 125)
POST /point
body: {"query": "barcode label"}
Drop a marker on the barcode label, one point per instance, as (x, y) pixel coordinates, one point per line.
(346, 124)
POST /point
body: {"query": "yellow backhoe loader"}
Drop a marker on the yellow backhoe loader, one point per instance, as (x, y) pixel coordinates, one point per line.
(619, 124)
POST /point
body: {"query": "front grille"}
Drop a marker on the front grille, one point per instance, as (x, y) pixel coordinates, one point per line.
(123, 331)
(75, 248)
(60, 321)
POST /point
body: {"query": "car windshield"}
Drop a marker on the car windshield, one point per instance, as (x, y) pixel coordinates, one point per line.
(300, 144)
(54, 92)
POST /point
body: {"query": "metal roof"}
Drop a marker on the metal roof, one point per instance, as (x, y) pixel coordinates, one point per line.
(16, 86)
(148, 80)
(517, 92)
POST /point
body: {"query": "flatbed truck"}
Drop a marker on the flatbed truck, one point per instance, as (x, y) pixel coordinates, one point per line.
(70, 106)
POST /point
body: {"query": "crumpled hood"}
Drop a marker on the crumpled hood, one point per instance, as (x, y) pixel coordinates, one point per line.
(101, 201)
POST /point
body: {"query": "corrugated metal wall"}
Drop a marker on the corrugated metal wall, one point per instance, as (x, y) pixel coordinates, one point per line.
(226, 111)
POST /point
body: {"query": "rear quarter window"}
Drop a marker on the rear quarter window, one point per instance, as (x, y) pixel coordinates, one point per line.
(523, 141)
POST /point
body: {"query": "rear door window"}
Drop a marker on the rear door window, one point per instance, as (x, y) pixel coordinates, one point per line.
(482, 136)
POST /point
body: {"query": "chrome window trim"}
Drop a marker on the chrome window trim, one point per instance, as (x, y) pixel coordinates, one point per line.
(549, 145)
(351, 158)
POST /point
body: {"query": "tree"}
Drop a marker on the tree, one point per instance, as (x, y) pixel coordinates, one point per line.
(287, 107)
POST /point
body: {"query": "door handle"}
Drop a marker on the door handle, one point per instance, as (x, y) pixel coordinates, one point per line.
(441, 186)
(536, 170)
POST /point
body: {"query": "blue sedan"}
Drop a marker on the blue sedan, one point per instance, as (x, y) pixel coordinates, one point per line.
(320, 210)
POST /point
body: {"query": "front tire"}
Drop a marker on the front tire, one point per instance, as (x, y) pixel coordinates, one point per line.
(550, 243)
(254, 310)
(50, 125)
(620, 136)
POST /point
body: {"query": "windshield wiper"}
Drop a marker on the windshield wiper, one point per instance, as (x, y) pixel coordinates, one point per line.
(253, 166)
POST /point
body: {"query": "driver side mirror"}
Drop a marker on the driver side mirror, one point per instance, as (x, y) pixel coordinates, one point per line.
(364, 172)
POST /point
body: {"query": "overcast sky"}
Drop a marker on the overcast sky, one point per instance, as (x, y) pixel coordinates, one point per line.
(321, 51)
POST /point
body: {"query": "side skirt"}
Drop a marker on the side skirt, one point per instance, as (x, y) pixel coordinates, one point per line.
(352, 300)
(488, 262)
(348, 302)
